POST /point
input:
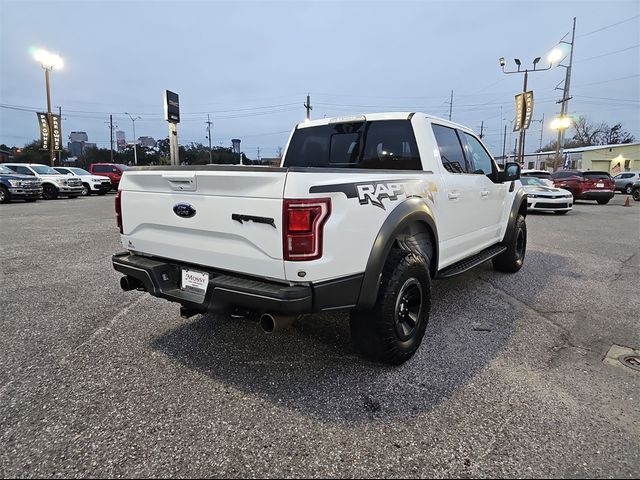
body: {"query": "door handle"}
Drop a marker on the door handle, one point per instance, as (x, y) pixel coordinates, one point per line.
(453, 195)
(484, 193)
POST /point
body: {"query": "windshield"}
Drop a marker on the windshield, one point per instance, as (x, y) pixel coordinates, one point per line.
(44, 170)
(533, 181)
(4, 169)
(122, 167)
(79, 171)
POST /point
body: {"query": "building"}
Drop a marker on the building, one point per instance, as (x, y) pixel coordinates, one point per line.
(78, 137)
(78, 149)
(147, 141)
(614, 159)
(6, 156)
(121, 141)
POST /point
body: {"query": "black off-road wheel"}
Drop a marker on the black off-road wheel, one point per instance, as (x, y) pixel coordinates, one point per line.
(513, 258)
(49, 192)
(5, 196)
(603, 201)
(392, 331)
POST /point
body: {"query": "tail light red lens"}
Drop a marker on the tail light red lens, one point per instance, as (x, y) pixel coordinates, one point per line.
(119, 210)
(303, 225)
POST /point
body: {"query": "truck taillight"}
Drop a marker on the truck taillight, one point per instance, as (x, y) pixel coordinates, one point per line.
(303, 224)
(119, 210)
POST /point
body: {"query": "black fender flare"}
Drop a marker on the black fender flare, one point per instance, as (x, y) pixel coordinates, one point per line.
(518, 207)
(411, 210)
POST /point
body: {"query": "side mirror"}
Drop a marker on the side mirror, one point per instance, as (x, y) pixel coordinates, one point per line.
(511, 172)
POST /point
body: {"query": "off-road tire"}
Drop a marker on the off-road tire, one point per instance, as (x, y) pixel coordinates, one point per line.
(392, 331)
(49, 192)
(513, 258)
(5, 196)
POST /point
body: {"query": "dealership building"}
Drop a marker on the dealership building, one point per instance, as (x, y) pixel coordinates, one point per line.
(614, 159)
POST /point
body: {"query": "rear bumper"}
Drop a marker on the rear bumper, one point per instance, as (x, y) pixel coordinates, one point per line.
(162, 278)
(596, 195)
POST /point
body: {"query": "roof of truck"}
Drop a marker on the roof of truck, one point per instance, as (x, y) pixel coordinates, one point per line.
(377, 116)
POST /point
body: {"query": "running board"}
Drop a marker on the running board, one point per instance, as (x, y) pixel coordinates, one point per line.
(470, 262)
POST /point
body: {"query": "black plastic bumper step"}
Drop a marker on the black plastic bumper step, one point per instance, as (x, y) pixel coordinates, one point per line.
(470, 262)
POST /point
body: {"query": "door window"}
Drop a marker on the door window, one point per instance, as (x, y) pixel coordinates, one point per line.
(481, 161)
(451, 153)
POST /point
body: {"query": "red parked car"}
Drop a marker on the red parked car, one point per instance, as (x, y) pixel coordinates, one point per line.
(586, 185)
(112, 170)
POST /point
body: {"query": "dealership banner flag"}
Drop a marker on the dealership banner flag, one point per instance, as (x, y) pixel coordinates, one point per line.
(47, 134)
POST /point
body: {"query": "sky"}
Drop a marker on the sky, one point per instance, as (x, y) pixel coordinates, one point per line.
(250, 65)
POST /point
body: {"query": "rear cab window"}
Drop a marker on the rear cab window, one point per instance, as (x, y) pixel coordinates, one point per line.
(379, 144)
(596, 175)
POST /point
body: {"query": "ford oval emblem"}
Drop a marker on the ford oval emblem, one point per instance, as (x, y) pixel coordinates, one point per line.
(184, 210)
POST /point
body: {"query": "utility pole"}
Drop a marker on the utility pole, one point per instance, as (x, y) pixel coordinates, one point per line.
(451, 105)
(258, 154)
(209, 123)
(504, 144)
(111, 135)
(482, 129)
(60, 115)
(308, 107)
(564, 102)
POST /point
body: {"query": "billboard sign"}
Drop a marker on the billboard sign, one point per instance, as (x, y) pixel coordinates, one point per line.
(171, 107)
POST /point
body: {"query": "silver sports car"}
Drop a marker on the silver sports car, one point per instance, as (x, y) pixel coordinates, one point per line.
(543, 198)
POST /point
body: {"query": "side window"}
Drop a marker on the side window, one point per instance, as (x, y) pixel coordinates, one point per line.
(100, 168)
(481, 161)
(391, 145)
(23, 171)
(450, 149)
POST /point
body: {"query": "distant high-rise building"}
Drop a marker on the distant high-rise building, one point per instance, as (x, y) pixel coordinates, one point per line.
(121, 141)
(147, 141)
(236, 145)
(79, 137)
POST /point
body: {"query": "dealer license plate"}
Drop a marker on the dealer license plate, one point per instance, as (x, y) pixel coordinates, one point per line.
(195, 282)
(600, 185)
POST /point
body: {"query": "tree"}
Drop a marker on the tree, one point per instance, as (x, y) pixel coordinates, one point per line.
(615, 135)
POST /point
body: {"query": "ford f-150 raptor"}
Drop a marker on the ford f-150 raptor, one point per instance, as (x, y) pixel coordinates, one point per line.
(362, 214)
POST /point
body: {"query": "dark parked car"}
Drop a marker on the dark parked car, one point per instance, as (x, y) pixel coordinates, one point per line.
(586, 185)
(18, 187)
(635, 191)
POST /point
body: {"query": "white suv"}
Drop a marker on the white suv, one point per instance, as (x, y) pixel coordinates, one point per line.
(53, 183)
(90, 183)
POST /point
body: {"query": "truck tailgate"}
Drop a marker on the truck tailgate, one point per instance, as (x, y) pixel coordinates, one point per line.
(221, 217)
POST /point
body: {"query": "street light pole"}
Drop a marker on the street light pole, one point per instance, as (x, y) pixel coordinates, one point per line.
(49, 118)
(522, 136)
(135, 142)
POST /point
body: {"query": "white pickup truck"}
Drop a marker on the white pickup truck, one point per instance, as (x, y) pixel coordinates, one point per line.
(362, 214)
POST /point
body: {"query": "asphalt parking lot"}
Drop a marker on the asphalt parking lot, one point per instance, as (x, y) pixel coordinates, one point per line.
(510, 380)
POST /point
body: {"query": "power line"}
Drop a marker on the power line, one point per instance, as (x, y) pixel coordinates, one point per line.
(609, 53)
(608, 26)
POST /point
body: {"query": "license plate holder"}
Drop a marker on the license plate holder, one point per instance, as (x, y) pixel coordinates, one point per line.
(194, 281)
(600, 185)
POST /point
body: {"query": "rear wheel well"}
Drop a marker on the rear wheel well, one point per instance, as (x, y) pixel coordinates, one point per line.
(418, 237)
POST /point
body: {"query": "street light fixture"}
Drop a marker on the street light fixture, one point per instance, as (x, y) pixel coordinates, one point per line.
(524, 89)
(135, 142)
(561, 123)
(48, 61)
